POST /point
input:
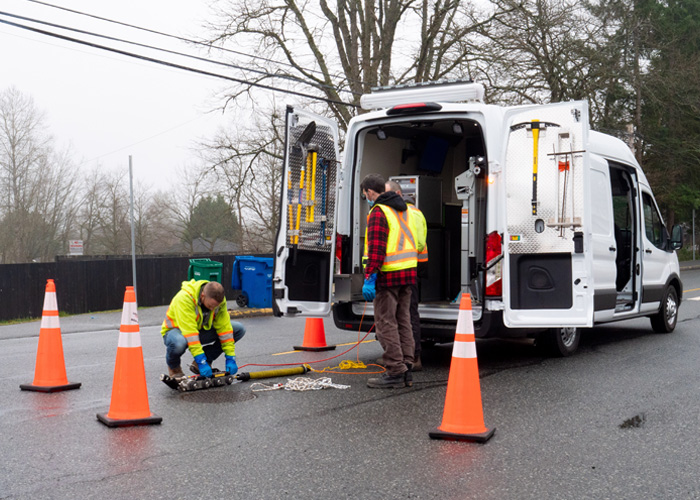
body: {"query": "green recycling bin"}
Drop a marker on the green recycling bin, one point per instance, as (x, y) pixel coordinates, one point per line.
(205, 269)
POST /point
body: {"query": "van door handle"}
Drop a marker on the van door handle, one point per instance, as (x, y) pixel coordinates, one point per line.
(612, 249)
(648, 250)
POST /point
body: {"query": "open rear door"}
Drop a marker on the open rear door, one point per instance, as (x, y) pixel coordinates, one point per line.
(305, 246)
(548, 265)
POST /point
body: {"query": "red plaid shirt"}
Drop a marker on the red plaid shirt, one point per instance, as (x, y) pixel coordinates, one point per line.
(377, 236)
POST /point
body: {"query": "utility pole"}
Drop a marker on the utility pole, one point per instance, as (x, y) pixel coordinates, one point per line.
(133, 240)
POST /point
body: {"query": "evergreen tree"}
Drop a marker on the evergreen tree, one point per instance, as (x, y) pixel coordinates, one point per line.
(670, 124)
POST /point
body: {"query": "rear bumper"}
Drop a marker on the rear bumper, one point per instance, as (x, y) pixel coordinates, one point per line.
(490, 325)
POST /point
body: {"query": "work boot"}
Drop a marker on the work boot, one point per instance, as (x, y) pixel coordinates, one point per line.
(408, 378)
(194, 368)
(176, 373)
(417, 365)
(387, 381)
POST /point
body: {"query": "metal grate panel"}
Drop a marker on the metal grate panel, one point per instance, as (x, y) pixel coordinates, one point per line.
(311, 195)
(549, 226)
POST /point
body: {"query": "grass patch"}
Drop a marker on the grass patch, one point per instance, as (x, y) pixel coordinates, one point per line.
(18, 321)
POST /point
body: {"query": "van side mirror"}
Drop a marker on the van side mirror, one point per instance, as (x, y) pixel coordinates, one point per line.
(676, 237)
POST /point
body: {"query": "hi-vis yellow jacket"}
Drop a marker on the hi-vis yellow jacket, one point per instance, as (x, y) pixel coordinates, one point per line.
(420, 229)
(401, 252)
(185, 314)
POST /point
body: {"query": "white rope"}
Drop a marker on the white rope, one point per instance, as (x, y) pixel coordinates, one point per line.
(260, 387)
(299, 384)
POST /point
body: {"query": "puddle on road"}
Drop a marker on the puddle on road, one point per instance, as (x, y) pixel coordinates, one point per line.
(634, 422)
(215, 397)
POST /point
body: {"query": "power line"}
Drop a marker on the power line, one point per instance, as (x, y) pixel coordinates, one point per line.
(173, 65)
(242, 68)
(155, 32)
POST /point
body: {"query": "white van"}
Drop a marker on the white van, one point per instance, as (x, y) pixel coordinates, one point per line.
(550, 226)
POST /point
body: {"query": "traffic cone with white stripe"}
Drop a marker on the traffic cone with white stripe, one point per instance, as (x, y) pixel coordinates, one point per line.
(463, 416)
(129, 405)
(50, 369)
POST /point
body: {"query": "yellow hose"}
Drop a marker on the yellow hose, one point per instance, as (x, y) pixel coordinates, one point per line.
(283, 372)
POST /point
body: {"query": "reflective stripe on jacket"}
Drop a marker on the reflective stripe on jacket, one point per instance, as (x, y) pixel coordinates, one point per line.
(186, 314)
(420, 228)
(401, 250)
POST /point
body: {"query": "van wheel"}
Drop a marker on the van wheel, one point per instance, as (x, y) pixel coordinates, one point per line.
(665, 320)
(559, 342)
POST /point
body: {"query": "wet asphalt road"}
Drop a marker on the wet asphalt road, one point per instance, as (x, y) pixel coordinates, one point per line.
(618, 420)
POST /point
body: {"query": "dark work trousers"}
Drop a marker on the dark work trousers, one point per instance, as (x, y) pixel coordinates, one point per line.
(392, 318)
(210, 341)
(415, 321)
(176, 344)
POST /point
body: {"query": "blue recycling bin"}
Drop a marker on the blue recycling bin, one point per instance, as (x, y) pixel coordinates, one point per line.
(253, 277)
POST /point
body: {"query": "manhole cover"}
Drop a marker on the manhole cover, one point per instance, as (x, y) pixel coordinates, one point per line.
(216, 396)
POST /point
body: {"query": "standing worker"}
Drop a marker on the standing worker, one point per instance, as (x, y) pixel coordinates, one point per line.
(198, 319)
(421, 231)
(390, 260)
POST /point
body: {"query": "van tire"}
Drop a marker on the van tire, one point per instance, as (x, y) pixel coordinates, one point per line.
(665, 320)
(559, 342)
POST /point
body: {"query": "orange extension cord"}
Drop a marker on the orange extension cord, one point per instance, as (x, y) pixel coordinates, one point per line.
(344, 365)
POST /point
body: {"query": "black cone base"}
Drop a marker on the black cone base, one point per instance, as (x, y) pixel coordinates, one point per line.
(51, 388)
(116, 422)
(451, 436)
(315, 349)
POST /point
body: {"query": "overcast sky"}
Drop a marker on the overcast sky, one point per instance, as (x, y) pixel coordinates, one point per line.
(108, 106)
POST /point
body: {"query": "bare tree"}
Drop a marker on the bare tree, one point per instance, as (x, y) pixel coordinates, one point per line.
(186, 194)
(37, 184)
(89, 209)
(58, 201)
(351, 45)
(247, 167)
(154, 226)
(537, 52)
(114, 230)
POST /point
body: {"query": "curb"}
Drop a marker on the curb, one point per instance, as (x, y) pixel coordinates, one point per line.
(249, 313)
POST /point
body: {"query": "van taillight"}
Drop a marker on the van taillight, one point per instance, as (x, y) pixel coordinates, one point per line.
(338, 253)
(494, 253)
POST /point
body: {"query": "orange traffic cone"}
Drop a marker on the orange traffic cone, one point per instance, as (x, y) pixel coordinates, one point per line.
(314, 336)
(463, 417)
(129, 405)
(50, 370)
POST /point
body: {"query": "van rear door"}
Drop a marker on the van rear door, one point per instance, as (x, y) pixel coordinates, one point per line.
(305, 245)
(548, 262)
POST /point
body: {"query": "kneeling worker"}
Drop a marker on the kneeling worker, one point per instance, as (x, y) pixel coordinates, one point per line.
(198, 319)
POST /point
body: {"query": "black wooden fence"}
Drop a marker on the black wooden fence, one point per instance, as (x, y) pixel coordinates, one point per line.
(91, 284)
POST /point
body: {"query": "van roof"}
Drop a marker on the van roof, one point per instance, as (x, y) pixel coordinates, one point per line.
(610, 147)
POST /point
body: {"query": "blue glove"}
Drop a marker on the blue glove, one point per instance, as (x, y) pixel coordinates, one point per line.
(369, 288)
(231, 366)
(204, 368)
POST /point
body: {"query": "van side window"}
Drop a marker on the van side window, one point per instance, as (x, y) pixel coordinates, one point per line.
(653, 227)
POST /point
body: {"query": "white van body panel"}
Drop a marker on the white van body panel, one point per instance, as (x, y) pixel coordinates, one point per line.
(543, 230)
(603, 246)
(581, 227)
